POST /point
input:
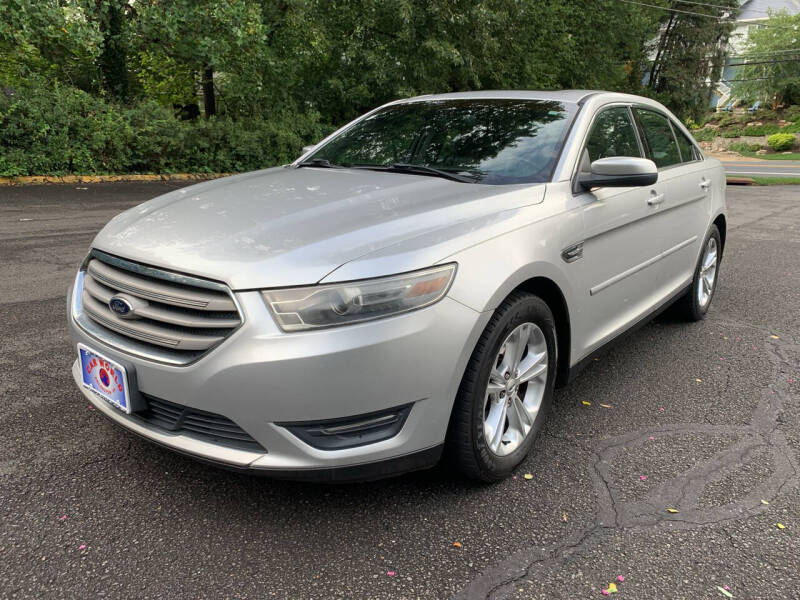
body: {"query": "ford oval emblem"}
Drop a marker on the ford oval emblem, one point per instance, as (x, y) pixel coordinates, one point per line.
(119, 306)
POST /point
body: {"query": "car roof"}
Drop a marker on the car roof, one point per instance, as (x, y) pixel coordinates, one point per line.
(572, 96)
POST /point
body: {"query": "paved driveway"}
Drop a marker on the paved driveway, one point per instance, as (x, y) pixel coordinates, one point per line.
(705, 412)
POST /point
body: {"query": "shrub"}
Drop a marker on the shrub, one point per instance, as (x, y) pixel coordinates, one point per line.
(55, 130)
(791, 128)
(781, 141)
(729, 120)
(766, 114)
(704, 135)
(732, 133)
(767, 129)
(744, 147)
(792, 113)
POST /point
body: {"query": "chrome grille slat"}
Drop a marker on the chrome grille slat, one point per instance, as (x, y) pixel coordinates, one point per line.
(160, 291)
(175, 316)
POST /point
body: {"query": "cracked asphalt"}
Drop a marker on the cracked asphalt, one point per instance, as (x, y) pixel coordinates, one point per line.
(708, 413)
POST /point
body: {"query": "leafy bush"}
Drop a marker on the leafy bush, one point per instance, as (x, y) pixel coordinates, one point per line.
(729, 120)
(60, 130)
(792, 113)
(704, 135)
(767, 129)
(781, 141)
(766, 114)
(744, 147)
(732, 133)
(791, 128)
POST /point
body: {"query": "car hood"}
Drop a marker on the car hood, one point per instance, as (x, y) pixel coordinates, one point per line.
(288, 226)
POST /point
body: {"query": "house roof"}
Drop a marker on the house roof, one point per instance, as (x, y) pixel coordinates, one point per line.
(758, 9)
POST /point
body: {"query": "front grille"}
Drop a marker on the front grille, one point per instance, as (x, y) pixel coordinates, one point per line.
(202, 425)
(184, 315)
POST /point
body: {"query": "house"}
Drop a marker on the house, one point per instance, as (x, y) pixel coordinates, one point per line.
(752, 13)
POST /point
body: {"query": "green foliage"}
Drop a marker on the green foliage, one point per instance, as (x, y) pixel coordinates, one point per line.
(732, 132)
(688, 51)
(732, 120)
(791, 128)
(65, 130)
(704, 135)
(744, 147)
(792, 113)
(768, 80)
(765, 129)
(781, 141)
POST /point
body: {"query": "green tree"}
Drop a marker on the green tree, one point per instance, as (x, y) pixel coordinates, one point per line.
(773, 51)
(688, 54)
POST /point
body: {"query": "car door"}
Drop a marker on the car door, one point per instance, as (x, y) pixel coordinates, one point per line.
(685, 209)
(612, 274)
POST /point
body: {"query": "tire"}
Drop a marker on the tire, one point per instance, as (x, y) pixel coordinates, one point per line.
(690, 307)
(471, 438)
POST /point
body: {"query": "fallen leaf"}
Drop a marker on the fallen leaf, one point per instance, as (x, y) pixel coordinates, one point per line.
(643, 477)
(672, 510)
(82, 547)
(661, 408)
(780, 525)
(563, 517)
(727, 588)
(764, 502)
(456, 544)
(604, 592)
(725, 592)
(698, 380)
(391, 573)
(620, 578)
(62, 518)
(515, 477)
(652, 438)
(586, 403)
(609, 406)
(528, 476)
(774, 337)
(612, 588)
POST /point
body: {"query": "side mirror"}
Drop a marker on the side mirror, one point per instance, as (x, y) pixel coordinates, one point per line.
(619, 171)
(307, 149)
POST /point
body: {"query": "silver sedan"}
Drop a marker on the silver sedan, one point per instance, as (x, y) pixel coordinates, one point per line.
(414, 285)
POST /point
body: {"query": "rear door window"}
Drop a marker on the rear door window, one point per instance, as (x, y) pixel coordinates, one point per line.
(686, 147)
(663, 148)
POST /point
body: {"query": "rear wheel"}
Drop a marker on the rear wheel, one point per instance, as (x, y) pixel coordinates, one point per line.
(694, 305)
(506, 390)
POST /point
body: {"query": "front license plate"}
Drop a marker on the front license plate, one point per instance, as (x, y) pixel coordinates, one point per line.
(105, 377)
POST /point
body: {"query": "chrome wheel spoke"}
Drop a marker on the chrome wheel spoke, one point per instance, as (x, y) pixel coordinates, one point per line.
(707, 273)
(522, 418)
(497, 425)
(535, 365)
(497, 382)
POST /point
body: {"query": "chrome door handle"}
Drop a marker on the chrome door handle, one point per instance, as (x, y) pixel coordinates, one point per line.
(655, 199)
(705, 184)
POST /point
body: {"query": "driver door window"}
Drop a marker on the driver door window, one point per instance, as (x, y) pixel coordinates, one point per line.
(612, 135)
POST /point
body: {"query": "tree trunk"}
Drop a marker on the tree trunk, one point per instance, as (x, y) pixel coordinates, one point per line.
(113, 61)
(209, 101)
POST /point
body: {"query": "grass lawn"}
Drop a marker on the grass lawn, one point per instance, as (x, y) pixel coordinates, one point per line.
(790, 156)
(777, 180)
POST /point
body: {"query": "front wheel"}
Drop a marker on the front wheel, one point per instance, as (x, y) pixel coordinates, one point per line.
(506, 390)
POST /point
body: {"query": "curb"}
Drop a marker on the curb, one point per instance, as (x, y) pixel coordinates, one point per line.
(740, 181)
(42, 179)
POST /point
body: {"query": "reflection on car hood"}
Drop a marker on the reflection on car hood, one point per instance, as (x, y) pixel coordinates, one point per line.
(289, 226)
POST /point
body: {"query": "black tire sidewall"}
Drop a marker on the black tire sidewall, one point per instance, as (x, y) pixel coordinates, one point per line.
(525, 308)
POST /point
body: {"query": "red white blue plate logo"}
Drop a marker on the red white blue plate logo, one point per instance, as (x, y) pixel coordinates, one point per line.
(105, 377)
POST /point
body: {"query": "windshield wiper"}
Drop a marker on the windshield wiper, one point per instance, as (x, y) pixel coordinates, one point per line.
(418, 170)
(319, 162)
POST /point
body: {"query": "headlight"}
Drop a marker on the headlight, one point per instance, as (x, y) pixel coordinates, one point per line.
(318, 306)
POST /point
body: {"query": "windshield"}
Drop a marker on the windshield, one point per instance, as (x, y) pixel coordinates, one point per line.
(490, 141)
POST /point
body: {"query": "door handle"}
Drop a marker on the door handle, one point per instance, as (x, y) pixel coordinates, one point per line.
(705, 184)
(655, 199)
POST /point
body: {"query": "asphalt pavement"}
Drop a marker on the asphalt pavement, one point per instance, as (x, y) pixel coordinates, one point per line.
(762, 168)
(701, 418)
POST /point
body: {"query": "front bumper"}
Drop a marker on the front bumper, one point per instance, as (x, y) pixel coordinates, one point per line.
(260, 376)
